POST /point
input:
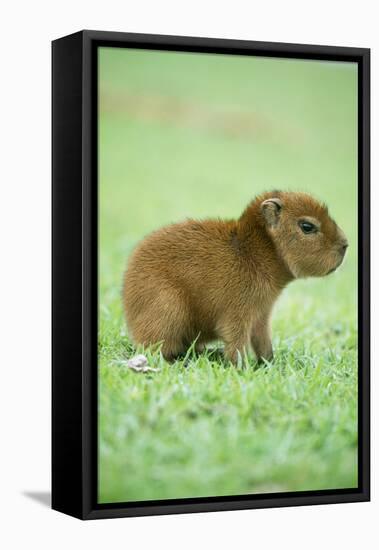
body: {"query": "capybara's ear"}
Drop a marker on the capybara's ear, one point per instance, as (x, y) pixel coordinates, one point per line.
(271, 210)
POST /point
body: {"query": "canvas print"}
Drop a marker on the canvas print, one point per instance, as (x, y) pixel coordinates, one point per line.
(227, 270)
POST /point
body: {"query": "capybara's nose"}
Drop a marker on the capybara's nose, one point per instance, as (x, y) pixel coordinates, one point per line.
(344, 246)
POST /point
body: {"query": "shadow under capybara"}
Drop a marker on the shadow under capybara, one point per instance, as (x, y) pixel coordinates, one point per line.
(219, 279)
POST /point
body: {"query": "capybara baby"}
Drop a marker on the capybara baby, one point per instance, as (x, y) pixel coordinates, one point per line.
(219, 279)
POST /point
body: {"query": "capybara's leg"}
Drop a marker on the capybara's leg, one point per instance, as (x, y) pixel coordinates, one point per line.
(172, 348)
(165, 320)
(235, 336)
(261, 339)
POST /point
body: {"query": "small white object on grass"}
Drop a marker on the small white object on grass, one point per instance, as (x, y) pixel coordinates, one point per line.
(137, 361)
(139, 364)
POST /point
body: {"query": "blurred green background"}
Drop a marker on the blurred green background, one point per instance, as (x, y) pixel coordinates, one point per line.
(194, 135)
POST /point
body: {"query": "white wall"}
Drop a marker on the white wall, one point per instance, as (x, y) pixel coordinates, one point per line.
(27, 28)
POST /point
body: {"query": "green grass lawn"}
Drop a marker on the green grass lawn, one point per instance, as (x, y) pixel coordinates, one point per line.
(199, 136)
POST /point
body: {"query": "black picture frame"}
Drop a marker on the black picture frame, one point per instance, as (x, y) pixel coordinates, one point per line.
(74, 272)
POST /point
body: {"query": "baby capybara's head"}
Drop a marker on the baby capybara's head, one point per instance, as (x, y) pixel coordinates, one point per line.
(306, 237)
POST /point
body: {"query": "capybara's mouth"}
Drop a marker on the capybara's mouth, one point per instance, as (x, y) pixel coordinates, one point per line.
(336, 266)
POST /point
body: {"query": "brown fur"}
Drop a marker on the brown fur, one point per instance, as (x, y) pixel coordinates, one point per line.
(219, 279)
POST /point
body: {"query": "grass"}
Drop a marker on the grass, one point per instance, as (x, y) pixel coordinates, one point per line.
(178, 138)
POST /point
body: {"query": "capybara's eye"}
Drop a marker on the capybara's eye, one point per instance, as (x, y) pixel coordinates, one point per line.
(307, 227)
